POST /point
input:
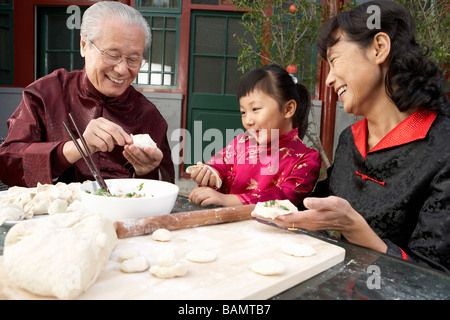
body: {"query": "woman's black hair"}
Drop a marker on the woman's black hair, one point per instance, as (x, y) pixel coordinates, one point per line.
(412, 79)
(276, 82)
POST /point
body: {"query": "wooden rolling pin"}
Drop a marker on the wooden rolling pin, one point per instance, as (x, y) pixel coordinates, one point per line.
(182, 220)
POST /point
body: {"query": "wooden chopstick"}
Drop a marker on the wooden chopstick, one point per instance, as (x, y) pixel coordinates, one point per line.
(87, 158)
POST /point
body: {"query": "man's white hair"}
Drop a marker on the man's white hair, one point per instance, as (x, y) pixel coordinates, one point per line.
(95, 15)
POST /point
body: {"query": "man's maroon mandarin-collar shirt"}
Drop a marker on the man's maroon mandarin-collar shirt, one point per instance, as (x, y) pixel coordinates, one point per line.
(32, 151)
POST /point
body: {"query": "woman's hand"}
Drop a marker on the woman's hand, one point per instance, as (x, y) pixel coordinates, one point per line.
(333, 213)
(203, 176)
(205, 196)
(143, 161)
(100, 135)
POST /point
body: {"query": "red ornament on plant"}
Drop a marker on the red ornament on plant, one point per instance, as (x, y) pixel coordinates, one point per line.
(292, 69)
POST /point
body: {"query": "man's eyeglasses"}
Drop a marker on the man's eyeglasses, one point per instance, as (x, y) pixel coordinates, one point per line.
(134, 62)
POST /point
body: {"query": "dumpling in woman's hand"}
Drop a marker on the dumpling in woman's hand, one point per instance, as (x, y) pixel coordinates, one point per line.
(142, 141)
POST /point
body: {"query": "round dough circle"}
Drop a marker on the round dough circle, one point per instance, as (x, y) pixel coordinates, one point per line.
(268, 267)
(137, 264)
(298, 249)
(162, 235)
(201, 256)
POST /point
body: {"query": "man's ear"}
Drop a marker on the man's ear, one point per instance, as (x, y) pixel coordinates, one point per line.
(381, 47)
(83, 45)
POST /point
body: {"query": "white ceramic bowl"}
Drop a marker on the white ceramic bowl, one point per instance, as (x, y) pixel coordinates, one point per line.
(159, 198)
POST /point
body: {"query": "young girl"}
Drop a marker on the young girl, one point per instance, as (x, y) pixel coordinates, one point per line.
(269, 161)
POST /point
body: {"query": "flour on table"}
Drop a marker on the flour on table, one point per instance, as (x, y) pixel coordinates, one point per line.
(162, 235)
(143, 141)
(274, 208)
(201, 256)
(298, 249)
(59, 255)
(137, 264)
(268, 267)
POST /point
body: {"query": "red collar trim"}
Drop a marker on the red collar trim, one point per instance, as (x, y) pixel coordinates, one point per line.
(414, 127)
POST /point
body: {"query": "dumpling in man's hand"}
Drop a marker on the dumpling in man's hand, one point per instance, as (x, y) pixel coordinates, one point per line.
(142, 141)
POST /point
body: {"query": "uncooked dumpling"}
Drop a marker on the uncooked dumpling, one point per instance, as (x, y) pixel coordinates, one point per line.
(58, 206)
(162, 235)
(268, 267)
(177, 270)
(218, 183)
(143, 141)
(44, 199)
(137, 264)
(169, 265)
(298, 249)
(11, 212)
(274, 208)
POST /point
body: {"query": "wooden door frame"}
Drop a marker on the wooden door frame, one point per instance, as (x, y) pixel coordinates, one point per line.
(183, 66)
(24, 38)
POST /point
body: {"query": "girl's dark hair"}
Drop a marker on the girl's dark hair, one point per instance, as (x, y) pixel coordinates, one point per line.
(276, 82)
(412, 79)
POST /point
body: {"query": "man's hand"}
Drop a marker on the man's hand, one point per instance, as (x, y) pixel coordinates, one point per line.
(143, 161)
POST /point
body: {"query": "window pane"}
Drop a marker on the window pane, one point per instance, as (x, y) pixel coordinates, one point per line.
(4, 76)
(171, 23)
(233, 76)
(208, 74)
(157, 41)
(4, 20)
(78, 61)
(159, 3)
(161, 69)
(6, 44)
(168, 79)
(158, 22)
(57, 60)
(235, 29)
(60, 45)
(210, 35)
(142, 78)
(170, 51)
(4, 49)
(212, 2)
(58, 37)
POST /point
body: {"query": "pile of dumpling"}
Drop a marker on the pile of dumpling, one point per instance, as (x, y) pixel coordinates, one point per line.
(24, 203)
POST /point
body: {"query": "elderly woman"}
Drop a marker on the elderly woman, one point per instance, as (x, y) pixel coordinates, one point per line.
(389, 186)
(102, 101)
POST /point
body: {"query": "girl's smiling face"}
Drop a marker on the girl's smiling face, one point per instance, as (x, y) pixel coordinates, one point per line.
(261, 113)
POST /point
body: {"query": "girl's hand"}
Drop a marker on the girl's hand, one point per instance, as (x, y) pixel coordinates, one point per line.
(333, 213)
(205, 196)
(143, 161)
(203, 176)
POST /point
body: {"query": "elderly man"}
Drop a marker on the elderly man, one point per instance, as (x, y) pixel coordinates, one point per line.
(105, 106)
